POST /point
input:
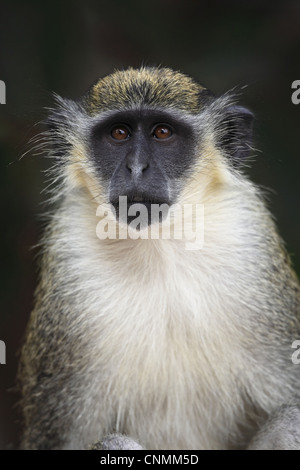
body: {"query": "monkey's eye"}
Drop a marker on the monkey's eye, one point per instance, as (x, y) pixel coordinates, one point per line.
(162, 132)
(120, 133)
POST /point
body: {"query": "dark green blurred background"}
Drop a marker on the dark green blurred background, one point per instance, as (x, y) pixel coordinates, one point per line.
(64, 46)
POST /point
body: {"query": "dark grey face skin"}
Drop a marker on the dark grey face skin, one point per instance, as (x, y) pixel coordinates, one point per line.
(139, 154)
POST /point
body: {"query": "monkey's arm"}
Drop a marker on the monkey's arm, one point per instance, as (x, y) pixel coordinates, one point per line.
(116, 442)
(280, 432)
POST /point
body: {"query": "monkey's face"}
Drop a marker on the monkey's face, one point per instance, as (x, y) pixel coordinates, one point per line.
(151, 136)
(141, 155)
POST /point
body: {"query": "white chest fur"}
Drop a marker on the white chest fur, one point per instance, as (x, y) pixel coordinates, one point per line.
(165, 345)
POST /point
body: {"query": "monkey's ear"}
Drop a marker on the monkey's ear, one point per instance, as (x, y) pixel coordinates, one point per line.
(235, 133)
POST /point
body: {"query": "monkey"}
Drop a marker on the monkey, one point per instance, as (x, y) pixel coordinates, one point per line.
(140, 342)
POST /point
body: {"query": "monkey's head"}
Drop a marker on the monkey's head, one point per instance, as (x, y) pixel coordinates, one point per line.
(148, 134)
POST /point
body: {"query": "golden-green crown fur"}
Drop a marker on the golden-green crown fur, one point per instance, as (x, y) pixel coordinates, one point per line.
(154, 87)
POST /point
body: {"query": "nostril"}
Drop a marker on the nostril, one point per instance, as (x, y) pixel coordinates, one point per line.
(137, 168)
(137, 163)
(128, 167)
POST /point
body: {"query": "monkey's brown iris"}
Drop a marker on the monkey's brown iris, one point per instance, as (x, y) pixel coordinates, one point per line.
(120, 133)
(162, 132)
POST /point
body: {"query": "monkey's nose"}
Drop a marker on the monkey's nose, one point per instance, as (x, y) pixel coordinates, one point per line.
(136, 165)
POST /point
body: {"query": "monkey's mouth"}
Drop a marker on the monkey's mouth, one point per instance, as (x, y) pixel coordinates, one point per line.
(139, 211)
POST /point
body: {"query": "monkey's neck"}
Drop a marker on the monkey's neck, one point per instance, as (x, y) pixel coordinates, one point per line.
(225, 266)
